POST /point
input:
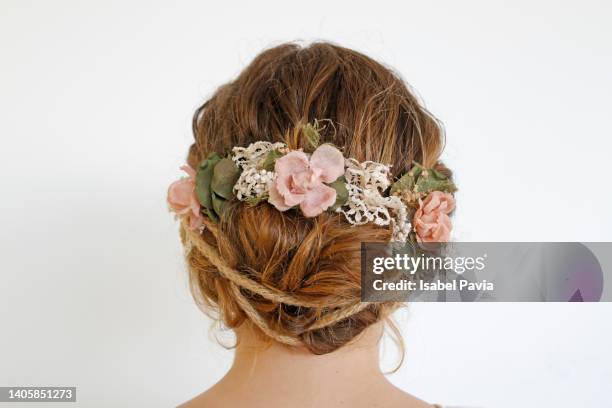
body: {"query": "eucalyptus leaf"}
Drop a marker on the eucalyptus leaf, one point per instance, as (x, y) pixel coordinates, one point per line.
(203, 180)
(270, 160)
(218, 203)
(224, 177)
(341, 192)
(211, 214)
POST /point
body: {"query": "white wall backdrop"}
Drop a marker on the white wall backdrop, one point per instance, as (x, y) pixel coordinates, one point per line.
(96, 100)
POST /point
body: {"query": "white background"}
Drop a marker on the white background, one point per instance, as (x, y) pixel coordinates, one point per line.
(96, 100)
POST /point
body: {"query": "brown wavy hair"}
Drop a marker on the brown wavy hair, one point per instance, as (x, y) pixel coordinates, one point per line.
(371, 115)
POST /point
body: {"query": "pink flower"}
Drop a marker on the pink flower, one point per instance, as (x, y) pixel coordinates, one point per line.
(300, 181)
(183, 200)
(431, 221)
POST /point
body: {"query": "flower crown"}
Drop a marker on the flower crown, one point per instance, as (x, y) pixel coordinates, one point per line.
(416, 205)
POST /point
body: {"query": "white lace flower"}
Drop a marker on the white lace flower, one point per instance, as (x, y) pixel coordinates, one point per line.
(254, 153)
(366, 182)
(253, 183)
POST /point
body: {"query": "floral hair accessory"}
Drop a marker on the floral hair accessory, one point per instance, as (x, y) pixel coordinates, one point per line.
(182, 198)
(431, 220)
(300, 180)
(312, 183)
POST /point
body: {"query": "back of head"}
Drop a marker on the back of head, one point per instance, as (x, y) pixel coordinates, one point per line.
(368, 112)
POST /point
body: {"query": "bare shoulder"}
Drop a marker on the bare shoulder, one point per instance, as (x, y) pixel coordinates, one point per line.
(381, 396)
(196, 402)
(211, 398)
(397, 398)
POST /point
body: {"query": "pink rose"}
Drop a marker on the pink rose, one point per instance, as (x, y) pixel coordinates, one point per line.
(300, 181)
(183, 200)
(431, 221)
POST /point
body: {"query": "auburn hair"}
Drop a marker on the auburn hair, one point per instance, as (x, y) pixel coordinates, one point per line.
(369, 113)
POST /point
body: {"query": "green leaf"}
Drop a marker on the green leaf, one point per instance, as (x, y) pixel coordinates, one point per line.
(210, 212)
(438, 174)
(253, 201)
(408, 180)
(224, 177)
(312, 135)
(204, 178)
(422, 180)
(270, 160)
(430, 181)
(218, 204)
(341, 192)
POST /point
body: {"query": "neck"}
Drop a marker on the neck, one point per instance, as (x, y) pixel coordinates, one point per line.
(271, 376)
(297, 372)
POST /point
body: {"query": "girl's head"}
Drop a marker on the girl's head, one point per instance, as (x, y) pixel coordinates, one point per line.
(369, 113)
